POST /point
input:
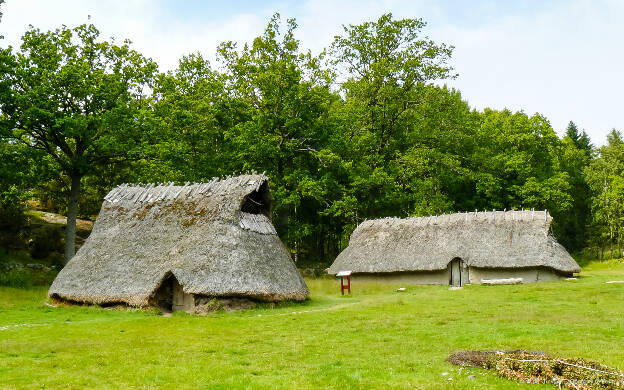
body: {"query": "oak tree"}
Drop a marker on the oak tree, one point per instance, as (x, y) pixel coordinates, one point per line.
(75, 97)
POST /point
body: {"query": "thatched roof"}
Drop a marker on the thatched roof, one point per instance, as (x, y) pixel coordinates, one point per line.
(216, 238)
(495, 239)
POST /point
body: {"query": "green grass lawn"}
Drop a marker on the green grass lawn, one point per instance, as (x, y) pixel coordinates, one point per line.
(376, 338)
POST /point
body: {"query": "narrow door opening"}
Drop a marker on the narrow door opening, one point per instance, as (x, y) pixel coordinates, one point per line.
(171, 297)
(456, 272)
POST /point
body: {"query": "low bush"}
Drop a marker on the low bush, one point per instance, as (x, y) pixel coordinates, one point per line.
(15, 278)
(45, 241)
(13, 219)
(21, 276)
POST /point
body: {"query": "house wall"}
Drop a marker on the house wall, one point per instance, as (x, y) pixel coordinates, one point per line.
(546, 275)
(181, 300)
(435, 277)
(470, 275)
(528, 275)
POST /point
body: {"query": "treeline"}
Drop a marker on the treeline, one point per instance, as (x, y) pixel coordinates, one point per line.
(360, 131)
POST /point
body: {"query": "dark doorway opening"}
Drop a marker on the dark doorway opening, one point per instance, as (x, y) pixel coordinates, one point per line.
(456, 266)
(163, 297)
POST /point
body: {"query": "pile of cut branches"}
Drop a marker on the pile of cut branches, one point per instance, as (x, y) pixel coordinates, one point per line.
(537, 367)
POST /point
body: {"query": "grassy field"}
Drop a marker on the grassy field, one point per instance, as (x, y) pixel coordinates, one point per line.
(376, 338)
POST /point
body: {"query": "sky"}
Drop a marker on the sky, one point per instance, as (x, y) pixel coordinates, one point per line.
(563, 59)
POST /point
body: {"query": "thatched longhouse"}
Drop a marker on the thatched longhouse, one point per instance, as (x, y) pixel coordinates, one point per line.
(457, 249)
(174, 246)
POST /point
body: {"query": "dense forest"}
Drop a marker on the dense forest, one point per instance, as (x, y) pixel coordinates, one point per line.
(366, 129)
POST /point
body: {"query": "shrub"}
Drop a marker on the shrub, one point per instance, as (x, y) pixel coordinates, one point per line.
(45, 241)
(18, 275)
(15, 278)
(13, 219)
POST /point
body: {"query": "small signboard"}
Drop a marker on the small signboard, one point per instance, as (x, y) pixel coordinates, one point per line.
(344, 275)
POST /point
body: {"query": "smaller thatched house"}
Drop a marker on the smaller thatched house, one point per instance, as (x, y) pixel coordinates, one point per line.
(457, 249)
(179, 246)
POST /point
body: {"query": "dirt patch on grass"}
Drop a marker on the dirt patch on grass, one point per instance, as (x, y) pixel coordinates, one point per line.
(57, 219)
(484, 359)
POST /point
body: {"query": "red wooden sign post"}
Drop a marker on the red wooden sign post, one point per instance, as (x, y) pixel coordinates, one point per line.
(344, 275)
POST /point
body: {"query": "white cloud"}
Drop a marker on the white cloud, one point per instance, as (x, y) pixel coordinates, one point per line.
(165, 38)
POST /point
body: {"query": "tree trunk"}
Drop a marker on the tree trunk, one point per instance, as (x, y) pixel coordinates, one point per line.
(72, 213)
(611, 248)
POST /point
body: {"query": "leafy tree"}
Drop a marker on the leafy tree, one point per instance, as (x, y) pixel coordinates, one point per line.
(190, 106)
(386, 66)
(515, 163)
(435, 153)
(581, 140)
(605, 176)
(386, 61)
(75, 98)
(573, 157)
(20, 166)
(12, 217)
(282, 99)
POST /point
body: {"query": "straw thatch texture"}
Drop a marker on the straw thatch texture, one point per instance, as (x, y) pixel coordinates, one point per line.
(198, 233)
(497, 239)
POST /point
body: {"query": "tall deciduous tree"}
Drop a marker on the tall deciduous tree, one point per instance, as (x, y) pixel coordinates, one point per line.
(76, 98)
(573, 157)
(283, 95)
(191, 112)
(386, 62)
(385, 68)
(515, 165)
(605, 176)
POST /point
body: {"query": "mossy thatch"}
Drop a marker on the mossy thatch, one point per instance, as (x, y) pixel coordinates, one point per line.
(216, 238)
(497, 239)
